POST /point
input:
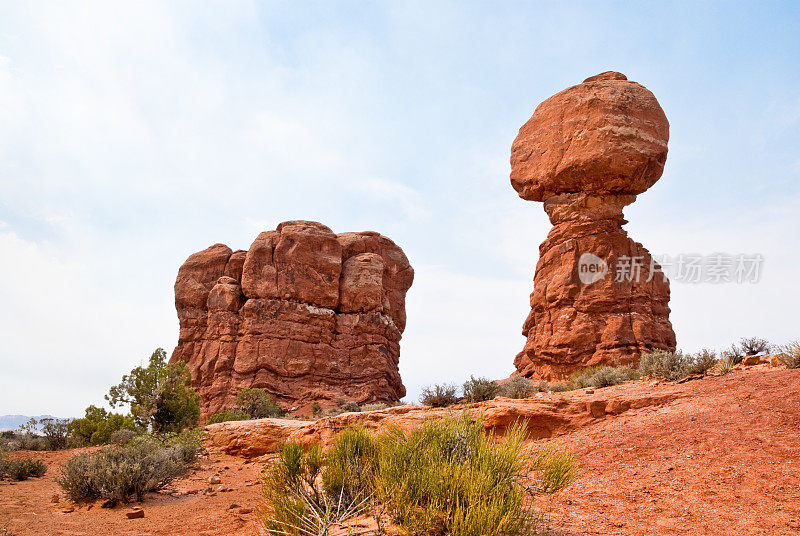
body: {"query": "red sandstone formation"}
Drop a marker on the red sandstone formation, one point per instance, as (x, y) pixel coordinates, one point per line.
(306, 314)
(586, 153)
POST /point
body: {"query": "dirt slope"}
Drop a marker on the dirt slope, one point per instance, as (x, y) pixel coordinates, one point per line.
(718, 456)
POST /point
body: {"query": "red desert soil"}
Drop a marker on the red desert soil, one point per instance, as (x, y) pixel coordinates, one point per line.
(722, 458)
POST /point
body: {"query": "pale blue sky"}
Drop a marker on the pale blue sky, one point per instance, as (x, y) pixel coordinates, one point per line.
(134, 134)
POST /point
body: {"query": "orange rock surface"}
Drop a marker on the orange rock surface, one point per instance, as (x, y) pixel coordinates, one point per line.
(586, 153)
(306, 314)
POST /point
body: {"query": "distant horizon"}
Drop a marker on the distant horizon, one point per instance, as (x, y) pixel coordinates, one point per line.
(134, 135)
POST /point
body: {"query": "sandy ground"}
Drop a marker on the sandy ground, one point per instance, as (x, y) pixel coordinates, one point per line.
(724, 459)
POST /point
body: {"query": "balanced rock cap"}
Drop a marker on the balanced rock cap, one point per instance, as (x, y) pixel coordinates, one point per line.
(605, 136)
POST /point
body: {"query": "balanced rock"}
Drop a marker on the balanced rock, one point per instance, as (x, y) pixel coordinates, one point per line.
(306, 314)
(598, 298)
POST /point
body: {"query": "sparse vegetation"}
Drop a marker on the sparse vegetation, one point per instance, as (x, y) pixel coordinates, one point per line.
(602, 377)
(228, 415)
(160, 396)
(348, 406)
(316, 409)
(790, 354)
(446, 477)
(439, 395)
(726, 365)
(663, 365)
(122, 473)
(21, 469)
(480, 389)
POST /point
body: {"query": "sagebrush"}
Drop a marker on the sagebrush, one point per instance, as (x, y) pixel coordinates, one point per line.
(439, 395)
(124, 473)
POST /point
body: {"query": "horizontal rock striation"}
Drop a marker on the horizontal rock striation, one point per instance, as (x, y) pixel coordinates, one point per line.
(586, 153)
(306, 314)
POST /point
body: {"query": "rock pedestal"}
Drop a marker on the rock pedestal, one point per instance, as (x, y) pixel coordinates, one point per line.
(306, 314)
(598, 298)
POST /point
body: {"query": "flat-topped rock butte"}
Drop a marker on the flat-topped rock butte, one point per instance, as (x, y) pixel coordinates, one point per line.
(586, 153)
(306, 314)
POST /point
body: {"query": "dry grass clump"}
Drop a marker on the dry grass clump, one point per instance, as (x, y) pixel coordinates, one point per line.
(446, 477)
(790, 354)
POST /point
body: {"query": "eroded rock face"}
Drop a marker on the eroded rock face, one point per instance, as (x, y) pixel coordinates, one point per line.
(586, 153)
(306, 314)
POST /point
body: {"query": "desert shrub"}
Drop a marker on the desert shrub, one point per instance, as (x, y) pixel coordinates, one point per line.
(122, 473)
(604, 376)
(160, 396)
(121, 437)
(316, 409)
(439, 395)
(257, 403)
(446, 477)
(21, 469)
(559, 387)
(348, 406)
(480, 389)
(518, 387)
(702, 361)
(97, 426)
(664, 365)
(790, 354)
(753, 345)
(229, 415)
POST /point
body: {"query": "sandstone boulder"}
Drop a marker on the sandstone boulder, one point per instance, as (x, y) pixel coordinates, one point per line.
(599, 297)
(308, 315)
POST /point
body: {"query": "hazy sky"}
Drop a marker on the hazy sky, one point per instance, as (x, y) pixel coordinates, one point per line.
(134, 134)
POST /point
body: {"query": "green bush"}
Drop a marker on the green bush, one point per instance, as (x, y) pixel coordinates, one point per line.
(257, 403)
(439, 396)
(160, 396)
(122, 473)
(480, 389)
(21, 469)
(229, 415)
(446, 477)
(348, 406)
(316, 409)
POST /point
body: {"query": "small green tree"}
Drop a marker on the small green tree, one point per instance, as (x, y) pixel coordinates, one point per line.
(159, 395)
(96, 427)
(257, 403)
